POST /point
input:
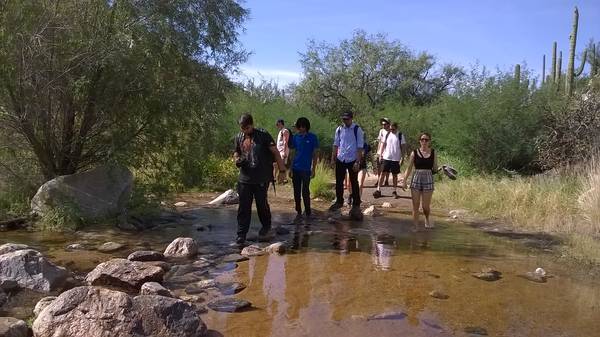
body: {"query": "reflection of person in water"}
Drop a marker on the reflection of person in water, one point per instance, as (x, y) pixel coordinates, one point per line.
(382, 250)
(341, 237)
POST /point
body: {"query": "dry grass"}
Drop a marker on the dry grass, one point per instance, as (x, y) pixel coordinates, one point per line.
(566, 202)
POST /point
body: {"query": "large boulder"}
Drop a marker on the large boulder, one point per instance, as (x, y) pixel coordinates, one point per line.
(182, 247)
(95, 194)
(99, 312)
(12, 247)
(31, 270)
(122, 273)
(12, 327)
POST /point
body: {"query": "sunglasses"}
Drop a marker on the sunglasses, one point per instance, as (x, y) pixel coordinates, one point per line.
(384, 124)
(346, 119)
(425, 139)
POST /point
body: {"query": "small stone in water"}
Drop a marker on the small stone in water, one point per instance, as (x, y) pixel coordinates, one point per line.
(229, 305)
(439, 295)
(476, 330)
(180, 204)
(109, 247)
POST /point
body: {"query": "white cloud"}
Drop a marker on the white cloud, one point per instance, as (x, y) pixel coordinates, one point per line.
(279, 76)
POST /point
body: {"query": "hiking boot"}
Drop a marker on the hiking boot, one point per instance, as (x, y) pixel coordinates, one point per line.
(265, 236)
(356, 213)
(377, 194)
(335, 206)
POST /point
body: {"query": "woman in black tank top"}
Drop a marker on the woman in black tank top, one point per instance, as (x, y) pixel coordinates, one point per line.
(424, 162)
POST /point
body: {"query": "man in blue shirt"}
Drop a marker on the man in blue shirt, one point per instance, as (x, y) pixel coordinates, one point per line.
(303, 168)
(347, 154)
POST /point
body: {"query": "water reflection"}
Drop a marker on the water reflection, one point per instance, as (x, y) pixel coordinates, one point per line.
(383, 247)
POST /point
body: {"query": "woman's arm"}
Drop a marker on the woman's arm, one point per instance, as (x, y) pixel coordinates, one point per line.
(411, 162)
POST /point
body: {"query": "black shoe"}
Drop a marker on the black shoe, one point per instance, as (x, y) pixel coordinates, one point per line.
(377, 194)
(335, 206)
(240, 240)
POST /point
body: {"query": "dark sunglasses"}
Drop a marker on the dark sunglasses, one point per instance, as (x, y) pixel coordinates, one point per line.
(425, 139)
(384, 124)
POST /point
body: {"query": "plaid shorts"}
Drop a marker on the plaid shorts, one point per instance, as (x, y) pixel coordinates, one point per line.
(422, 180)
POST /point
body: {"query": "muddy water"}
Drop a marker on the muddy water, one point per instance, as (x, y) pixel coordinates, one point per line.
(367, 279)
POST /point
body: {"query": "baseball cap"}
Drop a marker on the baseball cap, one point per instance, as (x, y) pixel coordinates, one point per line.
(347, 114)
(385, 120)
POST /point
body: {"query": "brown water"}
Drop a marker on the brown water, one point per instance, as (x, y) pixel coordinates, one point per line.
(364, 279)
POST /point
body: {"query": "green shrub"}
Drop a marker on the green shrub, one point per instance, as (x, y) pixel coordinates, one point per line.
(219, 173)
(60, 219)
(320, 185)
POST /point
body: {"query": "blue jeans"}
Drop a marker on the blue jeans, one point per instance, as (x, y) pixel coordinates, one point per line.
(301, 182)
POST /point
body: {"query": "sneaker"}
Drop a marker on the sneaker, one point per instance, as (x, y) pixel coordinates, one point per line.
(377, 194)
(335, 206)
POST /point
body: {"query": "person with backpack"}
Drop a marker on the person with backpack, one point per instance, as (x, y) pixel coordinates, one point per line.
(391, 158)
(283, 138)
(255, 151)
(347, 154)
(304, 144)
(385, 129)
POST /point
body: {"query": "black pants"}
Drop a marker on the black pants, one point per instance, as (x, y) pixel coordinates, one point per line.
(340, 175)
(248, 192)
(301, 181)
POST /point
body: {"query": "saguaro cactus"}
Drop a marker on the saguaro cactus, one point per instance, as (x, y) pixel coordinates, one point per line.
(543, 68)
(559, 68)
(553, 75)
(593, 61)
(571, 73)
(518, 73)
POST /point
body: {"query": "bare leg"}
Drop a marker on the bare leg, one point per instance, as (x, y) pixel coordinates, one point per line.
(416, 202)
(395, 180)
(426, 207)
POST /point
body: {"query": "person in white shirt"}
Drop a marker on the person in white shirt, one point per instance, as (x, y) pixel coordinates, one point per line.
(391, 158)
(283, 137)
(385, 129)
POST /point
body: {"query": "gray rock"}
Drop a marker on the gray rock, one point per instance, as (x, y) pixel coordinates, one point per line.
(200, 286)
(253, 250)
(8, 285)
(109, 247)
(439, 295)
(488, 274)
(114, 313)
(42, 304)
(31, 270)
(182, 247)
(229, 305)
(276, 248)
(146, 255)
(12, 327)
(12, 247)
(161, 264)
(122, 273)
(75, 246)
(230, 288)
(154, 288)
(3, 298)
(234, 258)
(534, 277)
(99, 193)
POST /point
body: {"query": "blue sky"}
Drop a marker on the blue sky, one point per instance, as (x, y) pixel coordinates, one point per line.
(493, 33)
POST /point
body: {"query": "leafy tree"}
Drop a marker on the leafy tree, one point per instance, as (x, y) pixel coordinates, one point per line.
(89, 81)
(362, 73)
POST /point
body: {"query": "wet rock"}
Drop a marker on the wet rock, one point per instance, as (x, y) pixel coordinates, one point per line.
(180, 204)
(276, 248)
(439, 295)
(12, 247)
(229, 305)
(282, 231)
(109, 247)
(146, 255)
(458, 213)
(182, 247)
(252, 250)
(161, 264)
(3, 298)
(534, 277)
(230, 288)
(42, 304)
(200, 286)
(114, 313)
(154, 288)
(125, 274)
(96, 194)
(476, 330)
(234, 258)
(12, 327)
(31, 270)
(8, 285)
(388, 316)
(488, 274)
(75, 246)
(370, 211)
(386, 205)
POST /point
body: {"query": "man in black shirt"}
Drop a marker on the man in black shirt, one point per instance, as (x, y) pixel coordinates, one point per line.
(255, 151)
